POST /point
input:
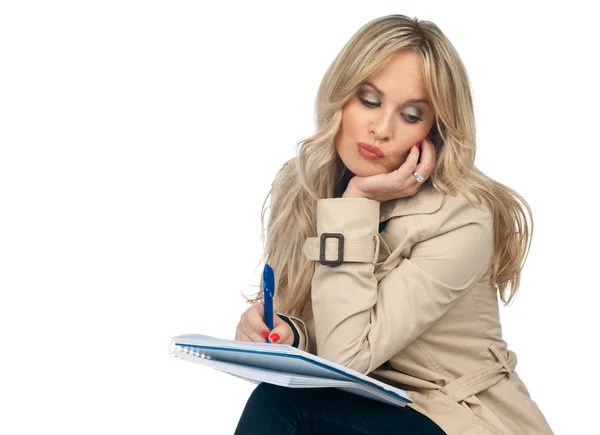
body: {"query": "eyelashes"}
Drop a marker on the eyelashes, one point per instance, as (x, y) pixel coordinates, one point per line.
(409, 118)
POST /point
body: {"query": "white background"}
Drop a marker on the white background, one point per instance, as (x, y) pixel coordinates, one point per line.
(139, 140)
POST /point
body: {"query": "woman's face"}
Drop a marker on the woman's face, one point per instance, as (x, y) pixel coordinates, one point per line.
(382, 114)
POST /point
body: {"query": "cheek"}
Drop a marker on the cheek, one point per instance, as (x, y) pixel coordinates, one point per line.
(396, 161)
(351, 125)
(351, 118)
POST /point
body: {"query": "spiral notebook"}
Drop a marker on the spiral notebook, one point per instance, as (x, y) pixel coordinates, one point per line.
(281, 364)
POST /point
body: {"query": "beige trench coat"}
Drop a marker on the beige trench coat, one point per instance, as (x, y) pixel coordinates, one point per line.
(413, 306)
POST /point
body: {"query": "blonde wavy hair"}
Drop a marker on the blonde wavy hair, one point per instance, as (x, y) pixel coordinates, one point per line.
(317, 171)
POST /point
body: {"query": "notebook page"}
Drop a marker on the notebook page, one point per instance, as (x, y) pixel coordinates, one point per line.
(257, 375)
(278, 357)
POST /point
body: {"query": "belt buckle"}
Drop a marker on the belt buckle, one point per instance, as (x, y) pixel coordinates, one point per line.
(340, 258)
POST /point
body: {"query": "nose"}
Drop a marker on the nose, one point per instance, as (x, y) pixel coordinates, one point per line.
(381, 126)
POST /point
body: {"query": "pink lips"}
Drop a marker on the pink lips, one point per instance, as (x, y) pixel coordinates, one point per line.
(369, 151)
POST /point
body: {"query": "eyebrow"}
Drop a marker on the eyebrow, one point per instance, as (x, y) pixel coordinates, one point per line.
(412, 100)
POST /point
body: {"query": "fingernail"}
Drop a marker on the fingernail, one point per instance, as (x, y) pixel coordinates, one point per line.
(274, 337)
(265, 333)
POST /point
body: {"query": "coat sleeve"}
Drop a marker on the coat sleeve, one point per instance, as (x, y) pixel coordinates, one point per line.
(361, 323)
(299, 327)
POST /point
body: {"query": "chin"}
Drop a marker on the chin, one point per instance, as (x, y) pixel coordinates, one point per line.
(364, 168)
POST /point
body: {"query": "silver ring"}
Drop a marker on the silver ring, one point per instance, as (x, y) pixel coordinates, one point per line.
(419, 177)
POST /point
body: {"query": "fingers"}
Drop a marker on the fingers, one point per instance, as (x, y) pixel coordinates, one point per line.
(259, 308)
(251, 325)
(246, 333)
(428, 159)
(253, 328)
(411, 160)
(281, 333)
(255, 319)
(240, 336)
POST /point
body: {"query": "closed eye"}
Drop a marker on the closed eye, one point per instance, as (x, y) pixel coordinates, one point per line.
(409, 118)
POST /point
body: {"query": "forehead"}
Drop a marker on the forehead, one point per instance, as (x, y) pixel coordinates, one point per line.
(402, 74)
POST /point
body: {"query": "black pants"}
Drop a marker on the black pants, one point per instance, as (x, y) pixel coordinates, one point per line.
(274, 410)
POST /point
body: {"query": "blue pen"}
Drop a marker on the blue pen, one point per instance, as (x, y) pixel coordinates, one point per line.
(268, 292)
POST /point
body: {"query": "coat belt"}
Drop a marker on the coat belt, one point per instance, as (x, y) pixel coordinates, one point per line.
(482, 379)
(366, 251)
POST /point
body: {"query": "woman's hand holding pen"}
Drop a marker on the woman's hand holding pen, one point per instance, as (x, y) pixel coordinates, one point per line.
(252, 327)
(396, 184)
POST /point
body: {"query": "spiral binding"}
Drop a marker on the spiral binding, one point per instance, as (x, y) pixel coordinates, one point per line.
(191, 351)
(194, 352)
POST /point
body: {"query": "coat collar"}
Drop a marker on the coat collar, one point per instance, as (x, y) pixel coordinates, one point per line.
(427, 200)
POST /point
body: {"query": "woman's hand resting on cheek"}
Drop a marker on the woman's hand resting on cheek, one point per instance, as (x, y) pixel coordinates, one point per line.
(396, 184)
(252, 327)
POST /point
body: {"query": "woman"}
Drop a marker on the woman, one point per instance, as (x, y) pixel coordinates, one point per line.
(429, 244)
